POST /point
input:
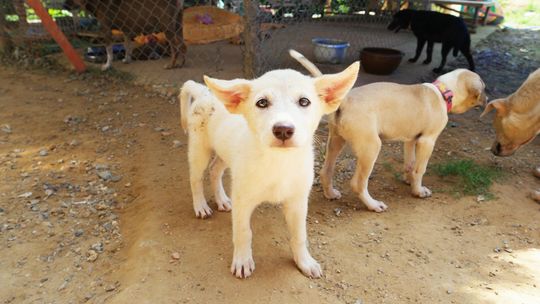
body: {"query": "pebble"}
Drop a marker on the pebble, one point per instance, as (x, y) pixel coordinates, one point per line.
(74, 143)
(91, 255)
(177, 143)
(43, 152)
(175, 256)
(79, 232)
(98, 247)
(337, 211)
(7, 129)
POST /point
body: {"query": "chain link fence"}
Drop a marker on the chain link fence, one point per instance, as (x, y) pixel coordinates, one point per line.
(224, 38)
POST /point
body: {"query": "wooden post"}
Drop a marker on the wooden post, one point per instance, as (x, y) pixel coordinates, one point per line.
(251, 47)
(6, 44)
(57, 35)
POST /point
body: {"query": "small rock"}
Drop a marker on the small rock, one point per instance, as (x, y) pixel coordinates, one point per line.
(337, 211)
(6, 129)
(453, 124)
(175, 256)
(177, 143)
(74, 143)
(509, 250)
(105, 175)
(449, 291)
(43, 152)
(91, 255)
(497, 249)
(26, 194)
(105, 128)
(480, 198)
(358, 301)
(110, 288)
(159, 129)
(98, 247)
(79, 232)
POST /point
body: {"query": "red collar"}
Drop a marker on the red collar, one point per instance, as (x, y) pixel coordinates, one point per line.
(446, 93)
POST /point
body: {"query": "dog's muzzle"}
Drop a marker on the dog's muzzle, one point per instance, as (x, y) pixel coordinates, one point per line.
(283, 132)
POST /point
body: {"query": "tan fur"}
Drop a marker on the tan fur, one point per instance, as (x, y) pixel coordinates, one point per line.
(414, 114)
(517, 121)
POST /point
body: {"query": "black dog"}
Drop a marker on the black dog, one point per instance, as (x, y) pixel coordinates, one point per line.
(435, 27)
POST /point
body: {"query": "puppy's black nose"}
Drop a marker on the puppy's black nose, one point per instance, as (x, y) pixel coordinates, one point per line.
(283, 132)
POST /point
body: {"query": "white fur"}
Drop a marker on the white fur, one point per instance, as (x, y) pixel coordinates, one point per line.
(263, 168)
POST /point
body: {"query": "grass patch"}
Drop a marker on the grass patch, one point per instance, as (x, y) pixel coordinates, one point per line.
(470, 178)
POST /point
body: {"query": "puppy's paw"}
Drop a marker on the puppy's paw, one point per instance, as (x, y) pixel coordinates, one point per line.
(202, 210)
(422, 193)
(412, 60)
(376, 206)
(224, 204)
(310, 268)
(426, 61)
(242, 267)
(333, 194)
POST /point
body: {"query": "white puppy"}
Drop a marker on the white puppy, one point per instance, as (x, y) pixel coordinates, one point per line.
(414, 114)
(268, 148)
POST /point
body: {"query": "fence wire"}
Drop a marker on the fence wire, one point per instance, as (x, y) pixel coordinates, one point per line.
(220, 34)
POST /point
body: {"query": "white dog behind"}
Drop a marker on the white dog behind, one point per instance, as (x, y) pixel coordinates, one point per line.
(268, 148)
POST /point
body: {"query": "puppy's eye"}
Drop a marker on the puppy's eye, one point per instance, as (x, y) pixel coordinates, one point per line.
(262, 103)
(304, 102)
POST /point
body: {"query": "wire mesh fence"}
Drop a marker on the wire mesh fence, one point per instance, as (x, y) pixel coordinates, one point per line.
(226, 38)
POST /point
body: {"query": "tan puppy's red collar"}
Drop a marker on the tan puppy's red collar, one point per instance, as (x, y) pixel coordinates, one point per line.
(446, 93)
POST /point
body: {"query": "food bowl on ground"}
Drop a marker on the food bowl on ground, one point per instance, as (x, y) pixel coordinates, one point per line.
(329, 50)
(380, 61)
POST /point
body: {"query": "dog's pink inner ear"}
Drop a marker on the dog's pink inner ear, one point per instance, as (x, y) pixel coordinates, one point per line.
(232, 97)
(333, 88)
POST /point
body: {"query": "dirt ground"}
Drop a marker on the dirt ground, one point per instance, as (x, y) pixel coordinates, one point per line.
(95, 207)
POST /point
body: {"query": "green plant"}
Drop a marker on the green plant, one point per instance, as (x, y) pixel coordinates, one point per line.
(471, 178)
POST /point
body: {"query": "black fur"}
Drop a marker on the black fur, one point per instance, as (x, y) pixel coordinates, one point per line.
(433, 27)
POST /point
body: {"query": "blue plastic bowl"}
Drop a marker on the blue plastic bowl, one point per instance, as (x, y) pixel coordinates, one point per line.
(329, 50)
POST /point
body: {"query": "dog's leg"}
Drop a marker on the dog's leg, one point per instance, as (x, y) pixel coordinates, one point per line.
(424, 148)
(444, 53)
(334, 146)
(216, 178)
(295, 212)
(128, 46)
(110, 56)
(467, 53)
(429, 52)
(242, 265)
(408, 160)
(419, 46)
(198, 156)
(366, 152)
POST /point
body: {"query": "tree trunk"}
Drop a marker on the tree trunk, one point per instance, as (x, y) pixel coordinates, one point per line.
(6, 44)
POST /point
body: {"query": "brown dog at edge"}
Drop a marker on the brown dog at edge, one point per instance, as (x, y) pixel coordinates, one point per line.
(517, 121)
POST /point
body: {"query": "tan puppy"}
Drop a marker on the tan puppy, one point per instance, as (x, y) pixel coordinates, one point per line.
(414, 114)
(518, 119)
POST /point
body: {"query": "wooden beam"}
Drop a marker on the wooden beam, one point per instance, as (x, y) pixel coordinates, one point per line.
(58, 36)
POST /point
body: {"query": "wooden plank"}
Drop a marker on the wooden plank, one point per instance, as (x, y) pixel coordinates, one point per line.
(58, 36)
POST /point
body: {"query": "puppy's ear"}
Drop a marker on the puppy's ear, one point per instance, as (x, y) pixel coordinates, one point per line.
(499, 105)
(332, 88)
(230, 92)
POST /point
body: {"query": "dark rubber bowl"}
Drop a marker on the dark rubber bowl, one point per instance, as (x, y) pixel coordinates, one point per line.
(380, 61)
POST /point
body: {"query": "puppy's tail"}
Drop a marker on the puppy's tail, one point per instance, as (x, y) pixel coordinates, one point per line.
(305, 63)
(189, 92)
